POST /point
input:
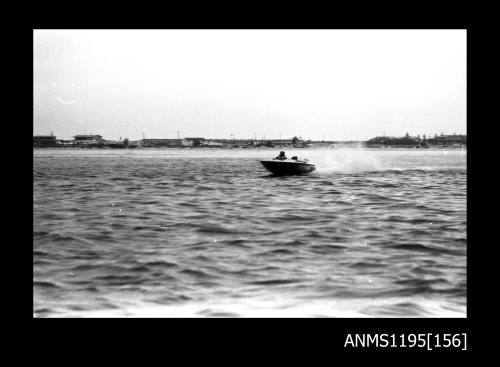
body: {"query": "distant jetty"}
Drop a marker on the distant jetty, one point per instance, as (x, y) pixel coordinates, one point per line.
(98, 142)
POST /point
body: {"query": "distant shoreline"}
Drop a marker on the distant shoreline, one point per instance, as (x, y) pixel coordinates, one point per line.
(333, 147)
(379, 142)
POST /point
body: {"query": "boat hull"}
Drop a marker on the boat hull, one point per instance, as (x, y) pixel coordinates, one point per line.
(281, 168)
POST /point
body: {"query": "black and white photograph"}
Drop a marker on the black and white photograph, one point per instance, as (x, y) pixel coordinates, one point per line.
(250, 173)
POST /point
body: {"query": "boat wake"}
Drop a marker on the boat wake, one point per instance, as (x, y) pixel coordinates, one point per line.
(346, 160)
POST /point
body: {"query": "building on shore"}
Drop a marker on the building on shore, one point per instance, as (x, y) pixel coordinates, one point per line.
(212, 143)
(282, 142)
(43, 141)
(64, 143)
(449, 140)
(193, 142)
(87, 139)
(184, 142)
(161, 143)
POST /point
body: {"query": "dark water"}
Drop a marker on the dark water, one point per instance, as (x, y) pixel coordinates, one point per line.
(211, 233)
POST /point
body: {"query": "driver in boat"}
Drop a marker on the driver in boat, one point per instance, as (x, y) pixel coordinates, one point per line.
(281, 157)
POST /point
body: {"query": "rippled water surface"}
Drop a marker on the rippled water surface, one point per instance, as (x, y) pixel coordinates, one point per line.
(200, 232)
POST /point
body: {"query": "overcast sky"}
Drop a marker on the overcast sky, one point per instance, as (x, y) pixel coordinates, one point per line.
(340, 84)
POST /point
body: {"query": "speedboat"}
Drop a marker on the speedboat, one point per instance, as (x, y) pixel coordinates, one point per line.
(283, 166)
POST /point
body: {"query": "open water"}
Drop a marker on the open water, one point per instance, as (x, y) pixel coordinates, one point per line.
(209, 232)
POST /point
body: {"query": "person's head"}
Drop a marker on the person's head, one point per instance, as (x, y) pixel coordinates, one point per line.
(282, 154)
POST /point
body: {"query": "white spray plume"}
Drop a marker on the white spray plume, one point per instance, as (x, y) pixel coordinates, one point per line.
(346, 160)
